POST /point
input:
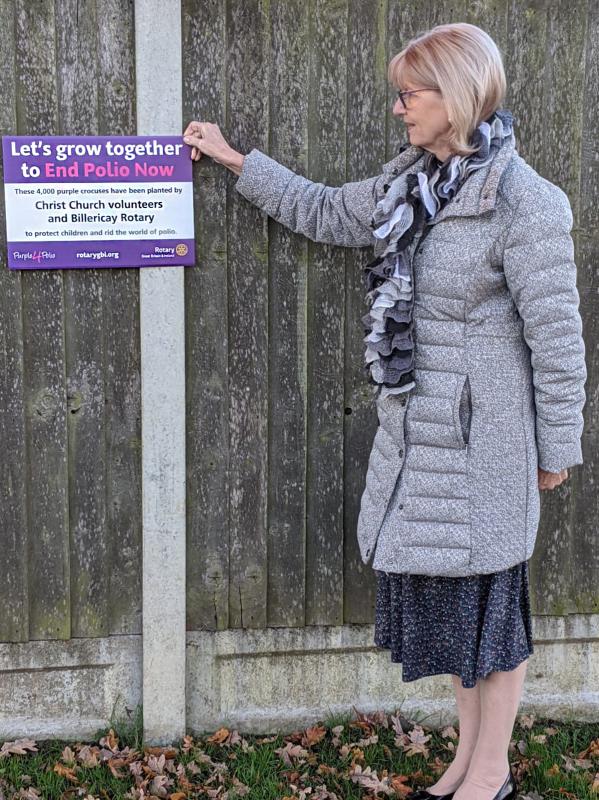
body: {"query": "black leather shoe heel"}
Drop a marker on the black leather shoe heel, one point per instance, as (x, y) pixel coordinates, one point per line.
(422, 794)
(509, 790)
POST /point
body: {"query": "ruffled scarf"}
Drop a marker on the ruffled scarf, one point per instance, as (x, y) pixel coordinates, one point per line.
(388, 324)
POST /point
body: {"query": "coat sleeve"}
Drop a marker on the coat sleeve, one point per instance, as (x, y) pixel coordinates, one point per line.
(540, 271)
(333, 215)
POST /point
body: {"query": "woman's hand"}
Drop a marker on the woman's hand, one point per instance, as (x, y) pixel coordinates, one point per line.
(549, 480)
(205, 138)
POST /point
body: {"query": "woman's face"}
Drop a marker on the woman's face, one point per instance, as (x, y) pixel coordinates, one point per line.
(426, 119)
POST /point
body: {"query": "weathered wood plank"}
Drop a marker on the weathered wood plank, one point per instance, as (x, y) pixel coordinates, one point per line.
(403, 23)
(247, 80)
(287, 575)
(527, 52)
(540, 46)
(584, 513)
(76, 31)
(43, 332)
(206, 293)
(491, 16)
(122, 383)
(368, 105)
(561, 164)
(326, 322)
(14, 621)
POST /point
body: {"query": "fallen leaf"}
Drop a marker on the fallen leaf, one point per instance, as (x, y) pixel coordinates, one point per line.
(370, 740)
(399, 786)
(313, 736)
(219, 736)
(19, 747)
(160, 784)
(110, 741)
(66, 772)
(239, 789)
(68, 756)
(167, 752)
(396, 723)
(113, 766)
(369, 779)
(449, 732)
(188, 744)
(526, 720)
(417, 742)
(291, 751)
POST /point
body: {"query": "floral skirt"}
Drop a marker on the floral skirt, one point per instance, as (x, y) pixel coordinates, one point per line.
(466, 626)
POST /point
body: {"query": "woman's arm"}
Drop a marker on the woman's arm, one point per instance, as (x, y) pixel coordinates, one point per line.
(541, 275)
(331, 214)
(234, 162)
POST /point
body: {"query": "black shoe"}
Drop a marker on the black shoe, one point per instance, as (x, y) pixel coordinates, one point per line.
(509, 790)
(422, 794)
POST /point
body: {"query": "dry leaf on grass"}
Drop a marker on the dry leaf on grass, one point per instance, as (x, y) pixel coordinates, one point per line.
(291, 751)
(31, 793)
(396, 724)
(167, 752)
(66, 772)
(399, 785)
(592, 750)
(88, 756)
(573, 764)
(68, 756)
(369, 779)
(313, 736)
(19, 747)
(526, 720)
(449, 732)
(219, 736)
(110, 741)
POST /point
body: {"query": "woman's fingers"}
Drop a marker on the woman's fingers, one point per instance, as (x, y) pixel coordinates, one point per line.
(191, 134)
(194, 141)
(205, 138)
(193, 127)
(549, 480)
(196, 150)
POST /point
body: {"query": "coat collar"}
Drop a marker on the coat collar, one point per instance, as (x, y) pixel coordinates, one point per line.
(477, 194)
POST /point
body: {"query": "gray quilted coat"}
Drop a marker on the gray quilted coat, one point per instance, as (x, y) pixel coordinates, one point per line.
(452, 485)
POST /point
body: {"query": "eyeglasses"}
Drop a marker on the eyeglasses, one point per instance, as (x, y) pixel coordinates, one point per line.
(402, 94)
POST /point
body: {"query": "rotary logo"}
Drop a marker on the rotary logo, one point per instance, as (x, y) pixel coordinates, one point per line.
(181, 249)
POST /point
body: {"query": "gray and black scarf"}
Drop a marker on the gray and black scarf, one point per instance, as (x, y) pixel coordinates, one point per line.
(397, 218)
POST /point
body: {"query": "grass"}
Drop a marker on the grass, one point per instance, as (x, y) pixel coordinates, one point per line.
(345, 757)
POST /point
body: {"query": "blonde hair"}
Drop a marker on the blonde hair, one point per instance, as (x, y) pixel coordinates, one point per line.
(464, 64)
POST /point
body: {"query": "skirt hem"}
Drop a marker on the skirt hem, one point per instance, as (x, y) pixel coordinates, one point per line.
(466, 682)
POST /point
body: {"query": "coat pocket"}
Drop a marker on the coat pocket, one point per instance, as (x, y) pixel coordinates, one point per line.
(432, 417)
(463, 410)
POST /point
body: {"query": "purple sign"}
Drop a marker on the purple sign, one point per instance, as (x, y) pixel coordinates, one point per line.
(75, 202)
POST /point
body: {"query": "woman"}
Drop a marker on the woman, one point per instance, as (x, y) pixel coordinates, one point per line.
(474, 348)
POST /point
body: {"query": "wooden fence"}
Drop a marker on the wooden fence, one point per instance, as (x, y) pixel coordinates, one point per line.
(279, 416)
